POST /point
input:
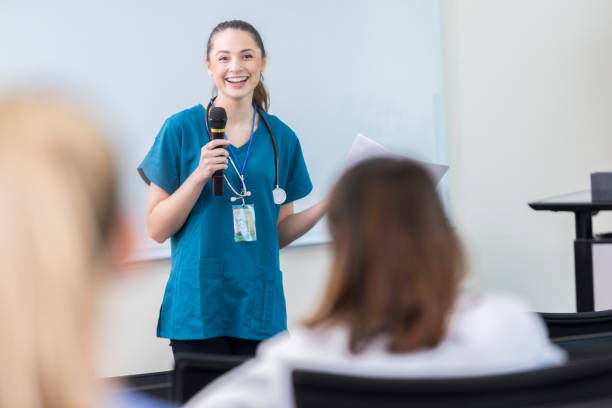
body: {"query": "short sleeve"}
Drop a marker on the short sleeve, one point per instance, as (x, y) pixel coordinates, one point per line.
(298, 184)
(161, 165)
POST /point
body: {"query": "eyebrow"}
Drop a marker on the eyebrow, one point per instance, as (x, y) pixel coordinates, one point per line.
(245, 50)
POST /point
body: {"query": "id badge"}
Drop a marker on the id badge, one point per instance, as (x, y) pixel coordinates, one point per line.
(244, 223)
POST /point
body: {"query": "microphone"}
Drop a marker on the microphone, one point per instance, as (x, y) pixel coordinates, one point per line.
(218, 119)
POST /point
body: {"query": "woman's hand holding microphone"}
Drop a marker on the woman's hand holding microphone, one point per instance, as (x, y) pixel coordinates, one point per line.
(213, 157)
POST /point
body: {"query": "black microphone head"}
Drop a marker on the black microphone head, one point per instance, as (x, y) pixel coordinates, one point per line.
(218, 118)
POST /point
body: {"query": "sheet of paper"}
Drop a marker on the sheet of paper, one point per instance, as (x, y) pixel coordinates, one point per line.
(364, 148)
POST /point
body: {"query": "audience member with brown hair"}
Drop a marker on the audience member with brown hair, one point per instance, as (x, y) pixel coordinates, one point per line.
(392, 306)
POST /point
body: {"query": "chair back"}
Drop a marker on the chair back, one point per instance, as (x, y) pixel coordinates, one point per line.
(579, 323)
(582, 383)
(192, 372)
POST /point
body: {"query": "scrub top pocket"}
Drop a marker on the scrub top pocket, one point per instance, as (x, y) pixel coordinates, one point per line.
(211, 294)
(267, 297)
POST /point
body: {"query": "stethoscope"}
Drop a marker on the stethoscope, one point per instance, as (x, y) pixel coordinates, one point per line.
(278, 193)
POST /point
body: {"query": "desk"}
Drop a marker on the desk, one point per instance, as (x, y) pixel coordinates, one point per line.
(583, 207)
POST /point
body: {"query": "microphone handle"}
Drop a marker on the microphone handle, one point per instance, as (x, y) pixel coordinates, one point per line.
(218, 175)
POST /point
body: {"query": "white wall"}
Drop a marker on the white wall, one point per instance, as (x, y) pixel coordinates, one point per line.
(529, 113)
(529, 103)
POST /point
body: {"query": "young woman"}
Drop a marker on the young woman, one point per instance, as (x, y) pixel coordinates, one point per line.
(61, 238)
(225, 290)
(391, 307)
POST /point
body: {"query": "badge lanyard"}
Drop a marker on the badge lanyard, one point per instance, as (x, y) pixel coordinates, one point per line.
(244, 214)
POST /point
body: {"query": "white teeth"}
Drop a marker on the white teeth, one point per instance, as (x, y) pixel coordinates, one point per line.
(236, 79)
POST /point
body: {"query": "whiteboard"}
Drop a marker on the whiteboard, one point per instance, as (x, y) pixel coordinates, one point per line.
(335, 69)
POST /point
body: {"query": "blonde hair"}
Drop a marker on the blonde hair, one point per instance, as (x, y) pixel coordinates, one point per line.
(57, 201)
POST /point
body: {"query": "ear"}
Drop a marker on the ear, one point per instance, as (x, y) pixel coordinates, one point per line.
(208, 67)
(263, 65)
(121, 244)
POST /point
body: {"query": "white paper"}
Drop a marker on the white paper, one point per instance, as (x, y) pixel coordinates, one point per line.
(364, 148)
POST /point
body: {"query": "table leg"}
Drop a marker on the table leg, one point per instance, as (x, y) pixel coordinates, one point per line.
(584, 225)
(583, 262)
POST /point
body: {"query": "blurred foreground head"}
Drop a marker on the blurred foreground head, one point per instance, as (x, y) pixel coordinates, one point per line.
(396, 262)
(57, 215)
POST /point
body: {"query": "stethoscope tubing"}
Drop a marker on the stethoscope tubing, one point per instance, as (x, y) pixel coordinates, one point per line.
(272, 138)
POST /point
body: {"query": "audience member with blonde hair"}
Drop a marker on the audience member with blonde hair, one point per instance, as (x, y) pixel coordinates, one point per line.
(392, 306)
(60, 237)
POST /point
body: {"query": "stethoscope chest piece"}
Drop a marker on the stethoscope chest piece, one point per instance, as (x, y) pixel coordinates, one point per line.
(279, 195)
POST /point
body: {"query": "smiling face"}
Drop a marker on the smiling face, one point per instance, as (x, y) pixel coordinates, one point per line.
(235, 63)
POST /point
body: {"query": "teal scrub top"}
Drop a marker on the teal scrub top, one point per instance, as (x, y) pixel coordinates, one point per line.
(219, 287)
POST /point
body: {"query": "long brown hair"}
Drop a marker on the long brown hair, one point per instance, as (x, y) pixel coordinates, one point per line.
(57, 202)
(397, 263)
(260, 95)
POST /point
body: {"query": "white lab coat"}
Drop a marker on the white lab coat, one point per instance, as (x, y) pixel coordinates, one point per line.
(489, 334)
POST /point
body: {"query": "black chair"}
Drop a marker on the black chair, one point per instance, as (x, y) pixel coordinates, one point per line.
(156, 385)
(580, 323)
(585, 383)
(586, 346)
(192, 372)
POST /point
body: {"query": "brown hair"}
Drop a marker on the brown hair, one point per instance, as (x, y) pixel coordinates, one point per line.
(57, 208)
(397, 263)
(260, 95)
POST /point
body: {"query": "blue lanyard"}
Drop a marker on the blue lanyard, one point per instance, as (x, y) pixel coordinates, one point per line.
(241, 169)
